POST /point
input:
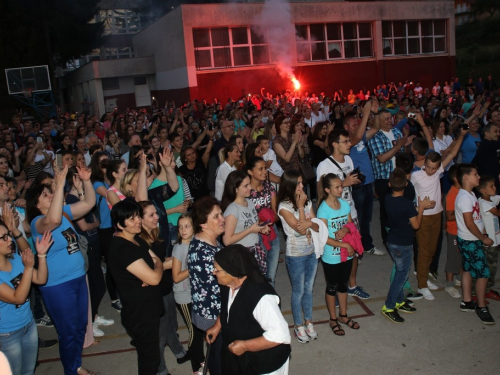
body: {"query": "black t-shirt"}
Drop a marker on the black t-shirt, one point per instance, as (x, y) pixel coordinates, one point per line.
(139, 303)
(486, 159)
(91, 235)
(399, 212)
(196, 179)
(160, 249)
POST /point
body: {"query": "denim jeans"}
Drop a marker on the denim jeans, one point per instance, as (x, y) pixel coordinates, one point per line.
(21, 348)
(363, 201)
(401, 256)
(302, 272)
(273, 256)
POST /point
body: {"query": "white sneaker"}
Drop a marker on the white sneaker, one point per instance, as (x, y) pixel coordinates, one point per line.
(101, 321)
(313, 335)
(426, 293)
(458, 282)
(97, 331)
(376, 251)
(453, 292)
(300, 334)
(431, 285)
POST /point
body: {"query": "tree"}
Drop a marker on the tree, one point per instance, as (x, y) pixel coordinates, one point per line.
(485, 6)
(45, 33)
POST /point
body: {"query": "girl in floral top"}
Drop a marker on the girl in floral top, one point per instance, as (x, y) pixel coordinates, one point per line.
(263, 195)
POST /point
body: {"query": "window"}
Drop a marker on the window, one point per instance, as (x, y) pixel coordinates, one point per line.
(110, 83)
(333, 41)
(413, 37)
(120, 21)
(230, 47)
(118, 53)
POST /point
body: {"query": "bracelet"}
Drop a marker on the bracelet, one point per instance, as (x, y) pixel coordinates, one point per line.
(42, 256)
(17, 237)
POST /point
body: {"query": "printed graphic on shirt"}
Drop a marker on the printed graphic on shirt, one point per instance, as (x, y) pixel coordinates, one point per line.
(334, 225)
(476, 213)
(70, 236)
(15, 282)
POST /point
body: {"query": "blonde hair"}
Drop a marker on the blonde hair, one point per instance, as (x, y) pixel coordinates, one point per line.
(127, 180)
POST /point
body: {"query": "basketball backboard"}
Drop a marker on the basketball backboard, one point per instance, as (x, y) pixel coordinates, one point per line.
(34, 78)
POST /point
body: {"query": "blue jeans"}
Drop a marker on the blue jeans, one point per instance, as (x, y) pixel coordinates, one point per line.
(273, 256)
(401, 256)
(67, 305)
(21, 348)
(302, 272)
(363, 201)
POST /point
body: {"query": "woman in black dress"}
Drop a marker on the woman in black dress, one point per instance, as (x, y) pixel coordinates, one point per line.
(137, 272)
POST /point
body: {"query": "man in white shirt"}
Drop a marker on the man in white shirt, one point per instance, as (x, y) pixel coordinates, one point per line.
(340, 164)
(418, 90)
(317, 115)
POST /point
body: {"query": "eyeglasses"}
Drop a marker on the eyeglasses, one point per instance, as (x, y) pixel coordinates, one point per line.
(5, 236)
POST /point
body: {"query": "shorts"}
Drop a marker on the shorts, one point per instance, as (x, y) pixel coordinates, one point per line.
(453, 256)
(473, 258)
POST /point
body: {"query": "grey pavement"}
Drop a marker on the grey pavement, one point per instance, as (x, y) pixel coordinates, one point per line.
(437, 339)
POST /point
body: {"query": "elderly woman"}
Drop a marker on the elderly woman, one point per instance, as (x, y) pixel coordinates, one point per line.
(256, 336)
(286, 145)
(65, 294)
(208, 224)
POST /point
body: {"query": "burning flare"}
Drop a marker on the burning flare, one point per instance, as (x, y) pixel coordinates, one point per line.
(296, 83)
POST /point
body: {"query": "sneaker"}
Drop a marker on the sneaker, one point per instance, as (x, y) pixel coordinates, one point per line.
(97, 331)
(117, 305)
(300, 334)
(493, 294)
(310, 332)
(44, 322)
(426, 293)
(413, 296)
(358, 291)
(474, 298)
(484, 315)
(375, 251)
(433, 275)
(392, 315)
(45, 344)
(468, 306)
(405, 308)
(409, 302)
(452, 292)
(431, 285)
(458, 282)
(101, 321)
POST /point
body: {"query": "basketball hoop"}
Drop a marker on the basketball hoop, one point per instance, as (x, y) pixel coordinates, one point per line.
(28, 93)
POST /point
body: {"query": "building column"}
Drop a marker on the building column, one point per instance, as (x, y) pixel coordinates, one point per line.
(100, 106)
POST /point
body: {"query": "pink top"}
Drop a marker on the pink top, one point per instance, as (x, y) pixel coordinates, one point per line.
(118, 192)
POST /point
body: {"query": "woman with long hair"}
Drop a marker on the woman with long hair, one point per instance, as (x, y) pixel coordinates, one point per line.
(336, 213)
(242, 220)
(138, 272)
(296, 214)
(318, 142)
(113, 145)
(287, 145)
(115, 170)
(194, 169)
(168, 322)
(65, 142)
(232, 154)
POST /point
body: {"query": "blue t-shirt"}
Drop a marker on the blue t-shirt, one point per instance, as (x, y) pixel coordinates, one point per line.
(104, 211)
(336, 220)
(64, 259)
(361, 158)
(14, 317)
(469, 147)
(399, 212)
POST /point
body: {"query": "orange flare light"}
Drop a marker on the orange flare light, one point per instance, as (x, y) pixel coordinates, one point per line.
(296, 83)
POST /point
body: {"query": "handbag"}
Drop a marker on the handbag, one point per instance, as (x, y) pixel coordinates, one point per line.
(307, 169)
(83, 243)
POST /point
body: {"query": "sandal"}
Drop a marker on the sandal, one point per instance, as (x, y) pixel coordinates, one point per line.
(349, 322)
(337, 328)
(83, 371)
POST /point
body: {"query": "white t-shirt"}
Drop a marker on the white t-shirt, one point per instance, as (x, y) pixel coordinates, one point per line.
(442, 144)
(491, 222)
(391, 137)
(428, 186)
(275, 167)
(318, 118)
(296, 243)
(418, 91)
(222, 173)
(326, 166)
(467, 202)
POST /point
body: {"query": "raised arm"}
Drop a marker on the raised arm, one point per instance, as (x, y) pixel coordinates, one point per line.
(168, 163)
(83, 207)
(53, 218)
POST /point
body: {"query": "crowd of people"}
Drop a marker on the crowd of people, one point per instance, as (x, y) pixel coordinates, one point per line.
(185, 208)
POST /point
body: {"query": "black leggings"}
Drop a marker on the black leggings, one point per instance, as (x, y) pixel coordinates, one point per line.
(196, 337)
(105, 238)
(337, 277)
(97, 285)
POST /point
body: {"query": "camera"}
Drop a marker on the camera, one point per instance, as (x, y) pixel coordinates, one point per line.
(361, 177)
(412, 115)
(465, 126)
